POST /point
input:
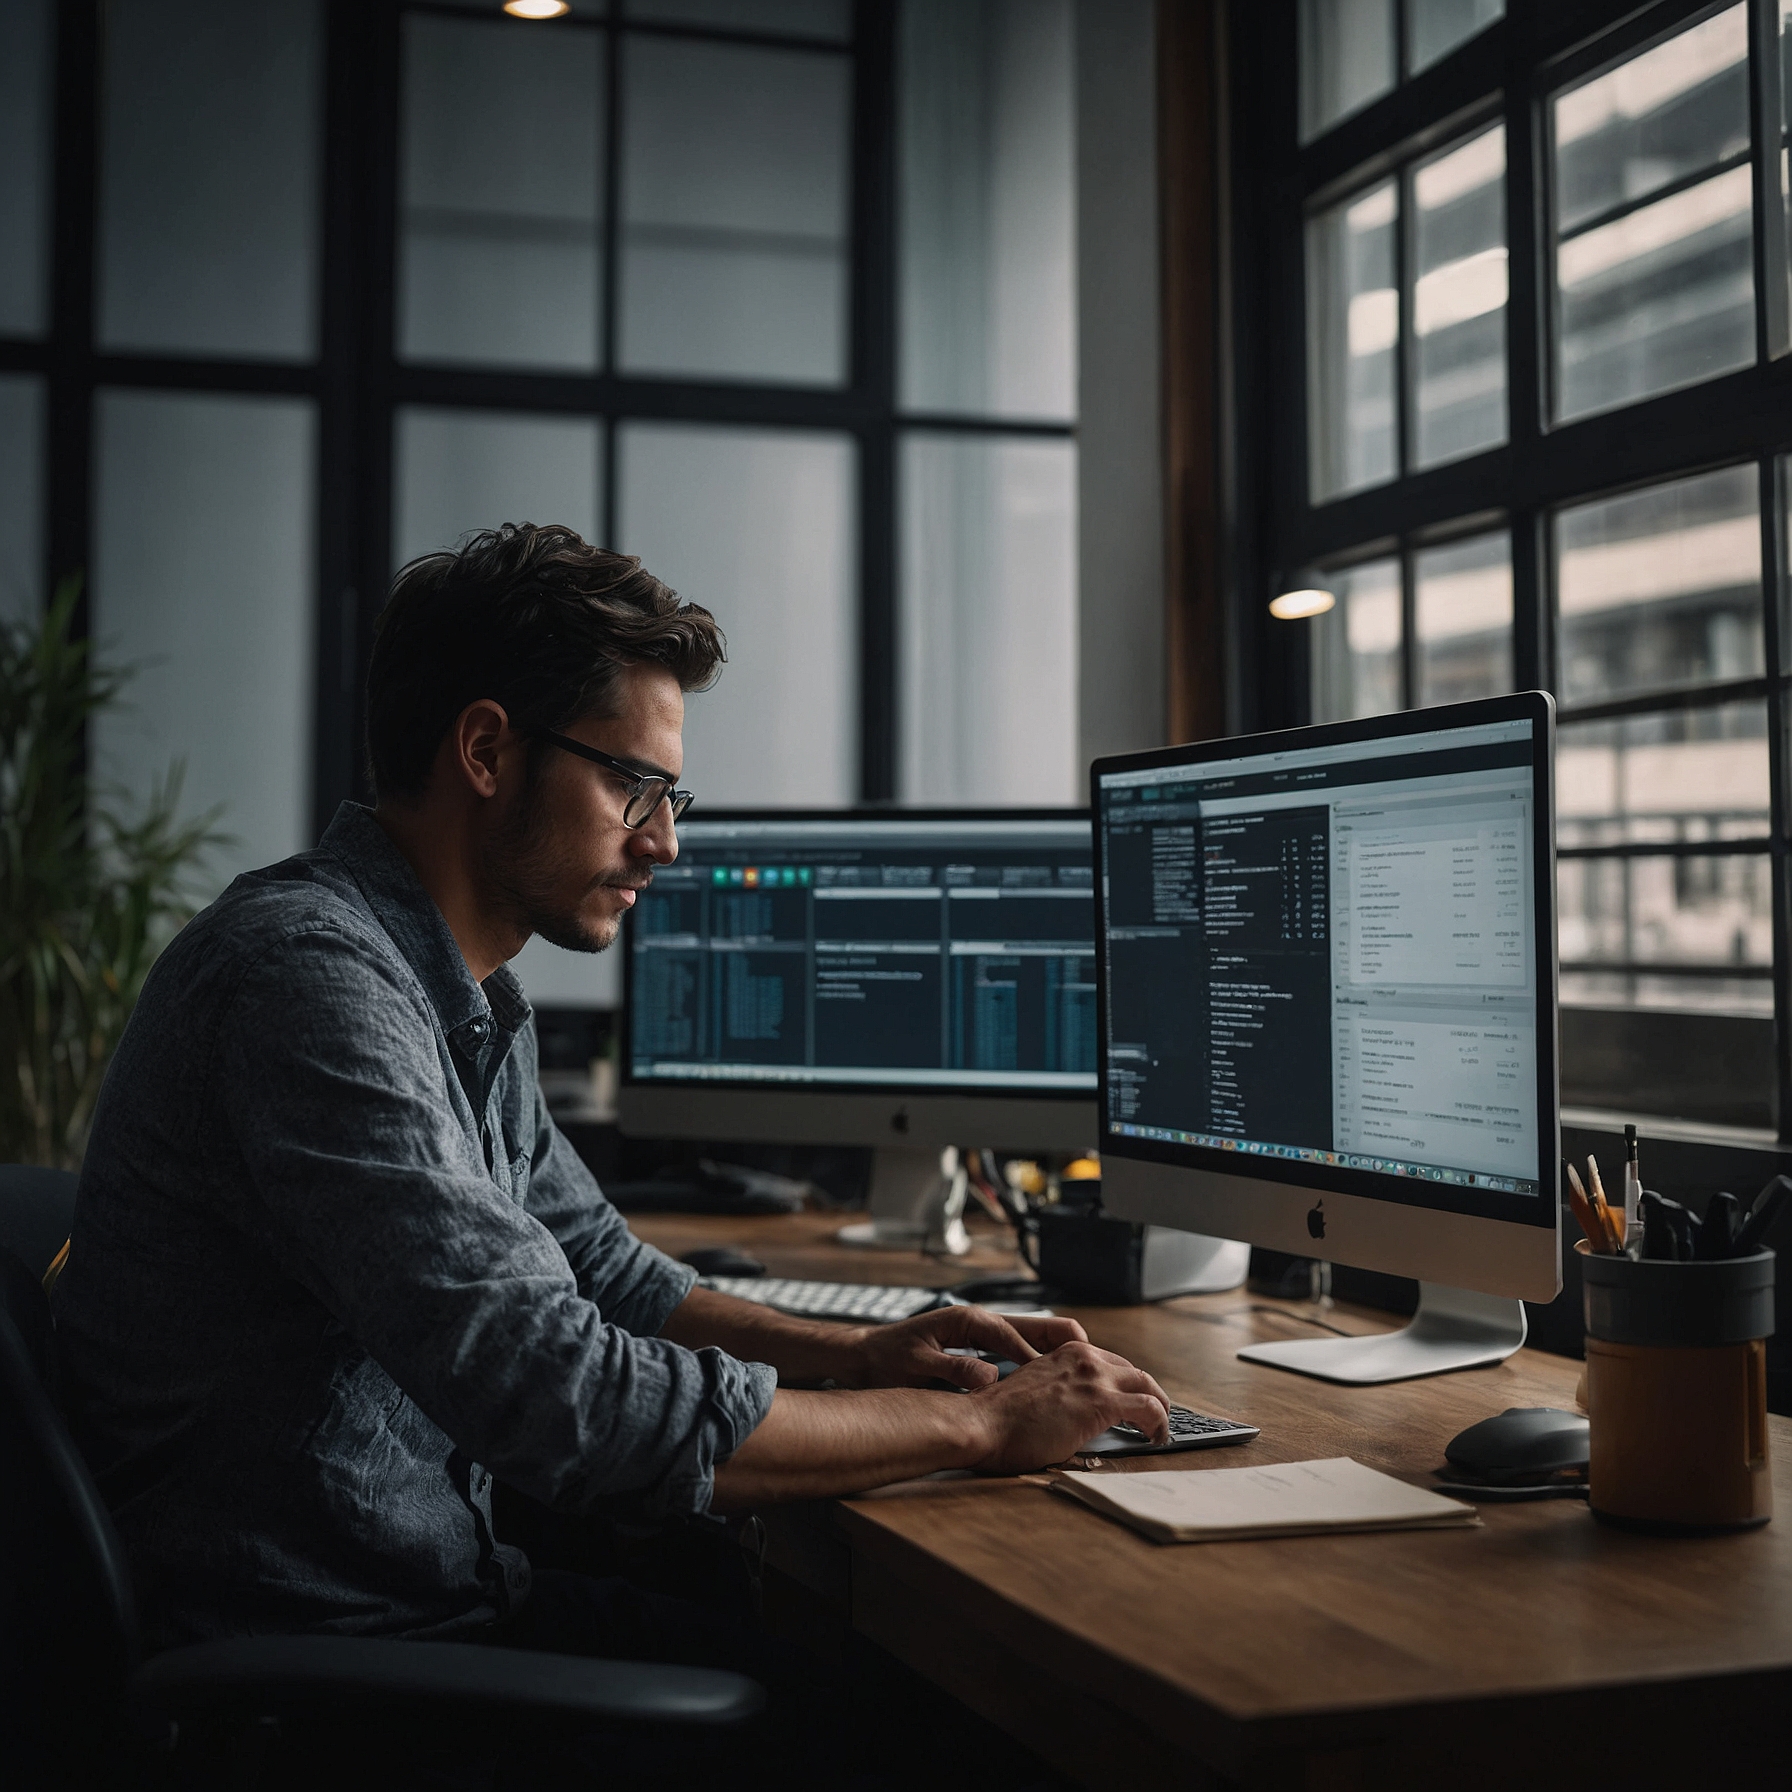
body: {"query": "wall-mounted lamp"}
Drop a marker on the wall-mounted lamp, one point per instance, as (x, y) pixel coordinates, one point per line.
(1301, 594)
(536, 9)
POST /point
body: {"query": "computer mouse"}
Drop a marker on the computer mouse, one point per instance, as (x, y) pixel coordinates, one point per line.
(1523, 1443)
(723, 1260)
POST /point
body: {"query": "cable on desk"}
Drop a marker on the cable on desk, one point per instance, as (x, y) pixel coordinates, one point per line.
(1304, 1318)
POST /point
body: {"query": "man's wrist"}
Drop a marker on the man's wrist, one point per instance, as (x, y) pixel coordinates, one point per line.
(977, 1426)
(851, 1354)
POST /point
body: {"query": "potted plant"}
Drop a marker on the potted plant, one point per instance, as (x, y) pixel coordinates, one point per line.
(89, 893)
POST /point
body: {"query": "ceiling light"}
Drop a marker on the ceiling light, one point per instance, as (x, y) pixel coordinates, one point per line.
(1291, 606)
(536, 9)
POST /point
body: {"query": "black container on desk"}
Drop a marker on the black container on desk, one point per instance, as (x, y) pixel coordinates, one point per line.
(1677, 1390)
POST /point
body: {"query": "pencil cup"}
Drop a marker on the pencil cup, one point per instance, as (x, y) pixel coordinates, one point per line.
(1677, 1391)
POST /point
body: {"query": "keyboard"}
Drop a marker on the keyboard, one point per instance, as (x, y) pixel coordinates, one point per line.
(1188, 1431)
(862, 1302)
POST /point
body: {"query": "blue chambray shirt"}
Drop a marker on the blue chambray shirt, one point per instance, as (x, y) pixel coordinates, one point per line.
(333, 1266)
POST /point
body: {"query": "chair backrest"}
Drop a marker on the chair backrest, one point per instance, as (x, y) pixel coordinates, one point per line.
(36, 1207)
(68, 1625)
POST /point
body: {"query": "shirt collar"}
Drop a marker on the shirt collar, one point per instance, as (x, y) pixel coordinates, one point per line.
(470, 1013)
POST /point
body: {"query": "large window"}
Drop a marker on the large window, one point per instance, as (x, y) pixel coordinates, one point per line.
(1527, 421)
(776, 293)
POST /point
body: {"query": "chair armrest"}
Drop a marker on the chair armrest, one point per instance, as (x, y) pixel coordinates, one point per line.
(276, 1674)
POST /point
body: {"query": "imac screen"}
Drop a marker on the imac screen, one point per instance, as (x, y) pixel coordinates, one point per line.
(1329, 955)
(863, 951)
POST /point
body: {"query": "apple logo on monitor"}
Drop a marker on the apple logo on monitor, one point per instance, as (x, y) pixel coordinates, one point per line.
(1316, 1221)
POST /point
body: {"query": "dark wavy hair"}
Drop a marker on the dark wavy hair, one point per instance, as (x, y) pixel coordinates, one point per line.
(533, 618)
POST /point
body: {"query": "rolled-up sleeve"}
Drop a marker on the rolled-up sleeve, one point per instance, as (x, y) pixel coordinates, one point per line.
(635, 1285)
(367, 1182)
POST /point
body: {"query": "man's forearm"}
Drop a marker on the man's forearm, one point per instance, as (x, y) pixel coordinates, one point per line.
(801, 1350)
(813, 1444)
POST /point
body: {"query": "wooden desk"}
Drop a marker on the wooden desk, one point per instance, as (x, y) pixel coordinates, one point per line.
(1544, 1649)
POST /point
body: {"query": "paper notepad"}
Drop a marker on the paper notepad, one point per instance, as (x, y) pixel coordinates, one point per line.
(1279, 1499)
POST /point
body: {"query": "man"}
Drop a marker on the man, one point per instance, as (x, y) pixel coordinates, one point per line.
(334, 1267)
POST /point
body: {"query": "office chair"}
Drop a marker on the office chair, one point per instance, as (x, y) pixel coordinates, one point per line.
(83, 1708)
(36, 1208)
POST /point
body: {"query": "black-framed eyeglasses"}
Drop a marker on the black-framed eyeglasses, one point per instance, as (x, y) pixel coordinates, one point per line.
(646, 790)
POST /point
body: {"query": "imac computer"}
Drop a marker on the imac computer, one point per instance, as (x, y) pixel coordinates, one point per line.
(906, 981)
(1327, 1004)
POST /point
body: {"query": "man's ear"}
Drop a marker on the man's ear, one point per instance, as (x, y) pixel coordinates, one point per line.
(477, 742)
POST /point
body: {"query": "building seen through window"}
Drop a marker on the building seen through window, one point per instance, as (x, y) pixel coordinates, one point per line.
(1543, 420)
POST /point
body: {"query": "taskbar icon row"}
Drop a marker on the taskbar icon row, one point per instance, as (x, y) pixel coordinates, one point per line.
(1313, 1154)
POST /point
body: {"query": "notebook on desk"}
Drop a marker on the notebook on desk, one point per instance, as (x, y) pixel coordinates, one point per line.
(1276, 1499)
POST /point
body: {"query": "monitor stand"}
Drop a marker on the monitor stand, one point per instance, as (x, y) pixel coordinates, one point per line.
(917, 1203)
(1453, 1329)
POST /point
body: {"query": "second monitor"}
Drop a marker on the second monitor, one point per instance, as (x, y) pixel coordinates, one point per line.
(907, 982)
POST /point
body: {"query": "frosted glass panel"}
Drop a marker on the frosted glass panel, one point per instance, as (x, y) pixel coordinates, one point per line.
(757, 526)
(500, 234)
(1346, 59)
(209, 177)
(734, 211)
(458, 471)
(25, 60)
(988, 623)
(791, 18)
(21, 497)
(988, 208)
(203, 576)
(1436, 27)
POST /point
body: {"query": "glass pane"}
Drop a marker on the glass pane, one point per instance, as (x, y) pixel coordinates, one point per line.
(458, 471)
(987, 623)
(1356, 644)
(25, 61)
(734, 212)
(1346, 59)
(1653, 120)
(988, 208)
(1783, 162)
(500, 228)
(1353, 330)
(1711, 913)
(1462, 598)
(209, 177)
(1459, 300)
(1436, 27)
(1660, 587)
(1698, 774)
(758, 526)
(203, 575)
(21, 497)
(1654, 293)
(831, 19)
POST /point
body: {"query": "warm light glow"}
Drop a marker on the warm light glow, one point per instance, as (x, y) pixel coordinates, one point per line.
(536, 9)
(1291, 606)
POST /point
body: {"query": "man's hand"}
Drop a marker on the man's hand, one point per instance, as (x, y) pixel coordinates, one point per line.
(1048, 1409)
(811, 1445)
(912, 1352)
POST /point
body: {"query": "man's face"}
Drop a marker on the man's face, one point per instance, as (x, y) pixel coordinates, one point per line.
(561, 860)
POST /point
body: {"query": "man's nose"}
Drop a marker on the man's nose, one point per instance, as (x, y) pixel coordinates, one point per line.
(657, 838)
